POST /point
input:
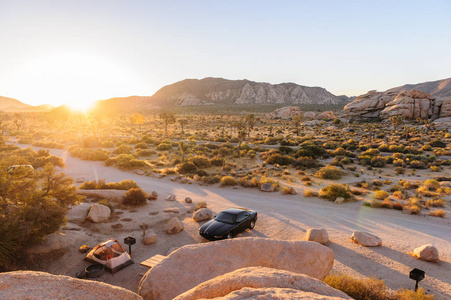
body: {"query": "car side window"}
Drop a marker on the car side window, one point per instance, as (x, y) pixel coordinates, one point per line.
(242, 217)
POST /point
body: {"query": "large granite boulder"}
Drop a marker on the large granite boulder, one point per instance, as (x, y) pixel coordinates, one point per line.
(326, 116)
(259, 278)
(99, 213)
(442, 108)
(318, 235)
(369, 105)
(203, 214)
(286, 112)
(309, 115)
(191, 265)
(411, 105)
(427, 253)
(442, 123)
(43, 286)
(366, 239)
(276, 294)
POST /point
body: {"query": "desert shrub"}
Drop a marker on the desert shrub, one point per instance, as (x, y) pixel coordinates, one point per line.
(310, 193)
(371, 289)
(134, 197)
(426, 147)
(435, 203)
(164, 147)
(413, 150)
(141, 146)
(200, 161)
(381, 195)
(227, 181)
(435, 169)
(383, 148)
(277, 158)
(399, 162)
(211, 179)
(416, 164)
(102, 185)
(333, 191)
(371, 152)
(308, 148)
(89, 154)
(52, 159)
(306, 162)
(218, 162)
(285, 150)
(398, 194)
(144, 152)
(286, 190)
(121, 161)
(51, 145)
(107, 144)
(186, 167)
(431, 184)
(397, 149)
(437, 213)
(437, 144)
(123, 149)
(329, 172)
(413, 209)
(378, 161)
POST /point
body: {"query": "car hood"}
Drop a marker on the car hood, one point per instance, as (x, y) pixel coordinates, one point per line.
(216, 228)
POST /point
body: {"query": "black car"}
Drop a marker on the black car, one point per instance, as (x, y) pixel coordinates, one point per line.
(228, 223)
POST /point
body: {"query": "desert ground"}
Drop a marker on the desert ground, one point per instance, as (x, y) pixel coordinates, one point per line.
(285, 217)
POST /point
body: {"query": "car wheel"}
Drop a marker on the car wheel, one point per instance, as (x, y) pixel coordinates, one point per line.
(252, 225)
(229, 236)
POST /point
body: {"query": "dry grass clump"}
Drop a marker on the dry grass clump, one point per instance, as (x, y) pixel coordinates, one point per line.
(135, 197)
(310, 193)
(286, 190)
(435, 203)
(102, 185)
(372, 289)
(329, 172)
(227, 181)
(438, 213)
(381, 195)
(333, 191)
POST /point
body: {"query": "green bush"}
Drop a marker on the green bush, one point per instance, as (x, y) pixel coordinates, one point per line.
(227, 181)
(135, 197)
(101, 184)
(141, 146)
(186, 167)
(164, 147)
(329, 172)
(333, 191)
(277, 158)
(378, 161)
(123, 149)
(200, 161)
(218, 162)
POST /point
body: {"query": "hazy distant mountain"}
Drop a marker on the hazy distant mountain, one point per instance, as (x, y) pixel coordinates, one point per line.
(122, 104)
(438, 88)
(209, 91)
(14, 105)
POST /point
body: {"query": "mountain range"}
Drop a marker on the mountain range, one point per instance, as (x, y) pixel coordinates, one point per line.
(214, 91)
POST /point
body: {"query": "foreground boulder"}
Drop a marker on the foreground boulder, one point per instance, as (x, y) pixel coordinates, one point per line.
(366, 239)
(99, 213)
(427, 253)
(193, 264)
(203, 214)
(276, 294)
(150, 238)
(318, 235)
(174, 226)
(41, 285)
(260, 278)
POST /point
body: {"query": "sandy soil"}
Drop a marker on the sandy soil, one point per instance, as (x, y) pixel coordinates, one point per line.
(280, 217)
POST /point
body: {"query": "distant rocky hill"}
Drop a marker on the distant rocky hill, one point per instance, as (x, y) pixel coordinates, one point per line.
(123, 104)
(210, 91)
(14, 105)
(438, 88)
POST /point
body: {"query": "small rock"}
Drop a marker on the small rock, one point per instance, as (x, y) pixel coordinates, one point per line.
(339, 200)
(200, 205)
(139, 172)
(150, 238)
(292, 191)
(153, 196)
(79, 180)
(318, 235)
(366, 239)
(236, 187)
(170, 198)
(175, 210)
(188, 200)
(202, 214)
(267, 187)
(99, 213)
(427, 252)
(174, 226)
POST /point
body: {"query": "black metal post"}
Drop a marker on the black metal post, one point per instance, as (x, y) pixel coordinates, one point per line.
(416, 285)
(130, 251)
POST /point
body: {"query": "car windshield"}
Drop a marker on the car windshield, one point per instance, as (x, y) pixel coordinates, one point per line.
(226, 218)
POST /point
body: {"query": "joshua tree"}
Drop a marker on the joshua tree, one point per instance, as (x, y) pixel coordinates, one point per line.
(224, 120)
(168, 118)
(297, 120)
(138, 119)
(241, 136)
(250, 121)
(183, 148)
(18, 121)
(396, 121)
(182, 123)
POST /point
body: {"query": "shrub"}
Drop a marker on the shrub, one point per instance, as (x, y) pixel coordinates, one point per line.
(306, 162)
(435, 203)
(144, 152)
(381, 195)
(414, 209)
(329, 172)
(431, 184)
(186, 167)
(164, 147)
(141, 146)
(134, 197)
(416, 164)
(218, 162)
(437, 144)
(200, 161)
(378, 162)
(286, 190)
(101, 185)
(123, 149)
(310, 193)
(277, 158)
(227, 181)
(438, 213)
(333, 191)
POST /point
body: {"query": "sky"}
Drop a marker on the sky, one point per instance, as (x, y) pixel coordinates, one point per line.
(62, 51)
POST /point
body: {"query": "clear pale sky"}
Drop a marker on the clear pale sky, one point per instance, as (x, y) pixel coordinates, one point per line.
(60, 51)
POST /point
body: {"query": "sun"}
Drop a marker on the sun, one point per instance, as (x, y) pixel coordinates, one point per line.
(80, 106)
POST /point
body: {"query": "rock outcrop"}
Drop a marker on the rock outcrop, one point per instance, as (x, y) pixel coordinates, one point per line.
(366, 239)
(209, 91)
(276, 294)
(286, 112)
(259, 278)
(191, 265)
(41, 285)
(410, 104)
(318, 235)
